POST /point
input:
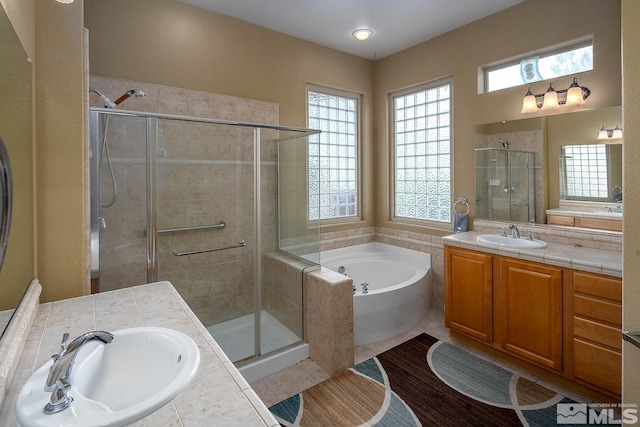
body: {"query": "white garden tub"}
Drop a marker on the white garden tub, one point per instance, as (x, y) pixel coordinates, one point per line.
(397, 295)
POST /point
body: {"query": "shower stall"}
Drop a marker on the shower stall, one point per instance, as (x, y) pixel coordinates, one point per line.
(199, 202)
(505, 188)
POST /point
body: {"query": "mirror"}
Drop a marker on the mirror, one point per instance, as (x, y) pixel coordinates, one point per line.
(547, 137)
(16, 132)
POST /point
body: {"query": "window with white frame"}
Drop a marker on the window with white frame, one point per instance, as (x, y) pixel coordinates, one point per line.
(565, 61)
(422, 152)
(333, 154)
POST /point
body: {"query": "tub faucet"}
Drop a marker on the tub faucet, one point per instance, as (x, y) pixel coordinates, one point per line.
(365, 288)
(515, 233)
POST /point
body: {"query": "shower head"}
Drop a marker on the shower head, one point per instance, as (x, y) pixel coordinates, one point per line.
(107, 102)
(131, 92)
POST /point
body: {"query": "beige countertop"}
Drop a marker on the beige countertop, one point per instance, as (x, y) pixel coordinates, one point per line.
(218, 394)
(561, 255)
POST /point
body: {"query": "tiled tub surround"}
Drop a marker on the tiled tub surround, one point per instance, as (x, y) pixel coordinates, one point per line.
(218, 394)
(328, 319)
(590, 251)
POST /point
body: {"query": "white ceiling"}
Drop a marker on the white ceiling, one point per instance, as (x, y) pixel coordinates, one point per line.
(396, 24)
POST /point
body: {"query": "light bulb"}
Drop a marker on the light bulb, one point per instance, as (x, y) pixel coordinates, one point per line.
(574, 94)
(529, 103)
(617, 133)
(550, 101)
(603, 134)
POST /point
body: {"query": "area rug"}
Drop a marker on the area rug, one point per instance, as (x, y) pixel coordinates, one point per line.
(426, 382)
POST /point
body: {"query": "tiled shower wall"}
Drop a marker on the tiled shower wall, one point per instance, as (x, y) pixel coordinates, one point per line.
(205, 175)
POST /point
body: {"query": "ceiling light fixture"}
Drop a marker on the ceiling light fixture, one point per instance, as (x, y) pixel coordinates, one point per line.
(65, 1)
(362, 34)
(552, 99)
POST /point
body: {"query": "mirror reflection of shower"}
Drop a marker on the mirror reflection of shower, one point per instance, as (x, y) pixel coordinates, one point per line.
(104, 147)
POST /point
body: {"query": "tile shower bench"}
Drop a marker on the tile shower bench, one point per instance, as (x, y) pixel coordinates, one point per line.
(218, 394)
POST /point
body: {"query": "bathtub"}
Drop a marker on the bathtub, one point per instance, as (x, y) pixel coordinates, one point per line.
(398, 294)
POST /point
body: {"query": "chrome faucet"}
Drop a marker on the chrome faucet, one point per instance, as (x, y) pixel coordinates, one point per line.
(60, 371)
(515, 233)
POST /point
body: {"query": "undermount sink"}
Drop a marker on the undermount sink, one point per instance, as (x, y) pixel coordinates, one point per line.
(117, 383)
(510, 242)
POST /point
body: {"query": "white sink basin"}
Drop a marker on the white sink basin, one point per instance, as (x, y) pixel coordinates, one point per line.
(510, 242)
(115, 384)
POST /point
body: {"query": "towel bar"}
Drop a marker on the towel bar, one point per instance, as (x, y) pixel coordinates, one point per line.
(462, 201)
(240, 244)
(632, 337)
(221, 224)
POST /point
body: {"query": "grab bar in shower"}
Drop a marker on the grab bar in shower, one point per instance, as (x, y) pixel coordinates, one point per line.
(240, 244)
(219, 225)
(632, 337)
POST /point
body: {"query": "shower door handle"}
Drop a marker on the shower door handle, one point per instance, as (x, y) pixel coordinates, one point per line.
(240, 244)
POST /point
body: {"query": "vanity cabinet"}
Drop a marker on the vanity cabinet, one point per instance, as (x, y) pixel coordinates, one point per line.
(596, 341)
(470, 293)
(531, 311)
(559, 320)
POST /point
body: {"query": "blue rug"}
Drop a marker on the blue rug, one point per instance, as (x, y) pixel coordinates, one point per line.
(427, 382)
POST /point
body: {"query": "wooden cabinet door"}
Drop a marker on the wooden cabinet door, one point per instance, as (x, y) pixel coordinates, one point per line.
(468, 288)
(531, 311)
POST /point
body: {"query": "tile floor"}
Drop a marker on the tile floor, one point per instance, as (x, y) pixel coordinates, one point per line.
(295, 379)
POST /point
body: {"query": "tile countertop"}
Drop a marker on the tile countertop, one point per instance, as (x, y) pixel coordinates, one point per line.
(218, 394)
(561, 255)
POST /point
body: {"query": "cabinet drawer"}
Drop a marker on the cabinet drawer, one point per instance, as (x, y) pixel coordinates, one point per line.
(602, 224)
(560, 220)
(597, 309)
(598, 366)
(597, 332)
(603, 287)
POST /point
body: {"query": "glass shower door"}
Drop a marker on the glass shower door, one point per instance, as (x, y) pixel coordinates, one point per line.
(206, 226)
(119, 165)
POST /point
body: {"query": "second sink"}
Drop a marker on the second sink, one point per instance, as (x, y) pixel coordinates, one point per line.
(510, 242)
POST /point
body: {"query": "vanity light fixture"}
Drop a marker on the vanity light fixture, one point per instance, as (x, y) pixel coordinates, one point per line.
(607, 134)
(362, 34)
(552, 99)
(65, 1)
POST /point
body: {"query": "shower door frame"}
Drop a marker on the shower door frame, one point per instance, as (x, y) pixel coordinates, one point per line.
(151, 145)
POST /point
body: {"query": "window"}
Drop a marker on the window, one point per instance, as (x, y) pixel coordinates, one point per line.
(422, 153)
(333, 154)
(585, 172)
(557, 63)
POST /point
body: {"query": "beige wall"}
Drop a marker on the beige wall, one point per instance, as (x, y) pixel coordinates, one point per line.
(62, 203)
(631, 226)
(459, 53)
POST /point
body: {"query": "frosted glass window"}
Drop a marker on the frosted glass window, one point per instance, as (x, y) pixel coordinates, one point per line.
(586, 171)
(567, 61)
(333, 155)
(422, 153)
